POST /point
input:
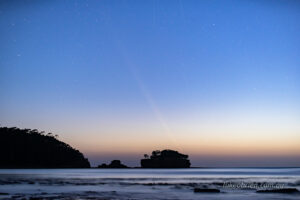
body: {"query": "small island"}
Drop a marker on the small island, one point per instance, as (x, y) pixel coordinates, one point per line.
(165, 159)
(26, 148)
(113, 164)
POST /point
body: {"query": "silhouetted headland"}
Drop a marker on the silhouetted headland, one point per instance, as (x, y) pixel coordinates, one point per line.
(165, 159)
(113, 164)
(26, 148)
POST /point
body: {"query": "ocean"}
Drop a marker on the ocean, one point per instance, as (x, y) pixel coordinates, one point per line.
(135, 184)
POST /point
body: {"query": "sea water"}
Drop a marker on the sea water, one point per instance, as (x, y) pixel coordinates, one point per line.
(233, 183)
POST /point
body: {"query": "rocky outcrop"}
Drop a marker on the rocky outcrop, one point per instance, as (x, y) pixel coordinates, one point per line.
(165, 159)
(206, 190)
(281, 190)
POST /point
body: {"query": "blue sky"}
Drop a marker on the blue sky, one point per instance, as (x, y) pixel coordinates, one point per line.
(117, 78)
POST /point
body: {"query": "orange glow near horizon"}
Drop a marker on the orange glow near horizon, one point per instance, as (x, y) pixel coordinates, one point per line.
(209, 133)
(197, 145)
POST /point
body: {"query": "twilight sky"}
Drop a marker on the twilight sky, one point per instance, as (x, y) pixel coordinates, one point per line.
(218, 80)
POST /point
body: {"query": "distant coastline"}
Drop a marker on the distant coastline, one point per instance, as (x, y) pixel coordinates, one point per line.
(31, 149)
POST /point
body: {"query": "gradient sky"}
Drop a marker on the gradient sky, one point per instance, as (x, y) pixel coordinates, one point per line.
(218, 80)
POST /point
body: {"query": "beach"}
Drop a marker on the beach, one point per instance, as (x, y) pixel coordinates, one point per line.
(134, 183)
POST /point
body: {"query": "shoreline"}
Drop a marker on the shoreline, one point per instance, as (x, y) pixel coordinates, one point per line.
(167, 168)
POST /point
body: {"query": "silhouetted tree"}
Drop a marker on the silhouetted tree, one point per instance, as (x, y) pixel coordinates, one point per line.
(146, 156)
(155, 153)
